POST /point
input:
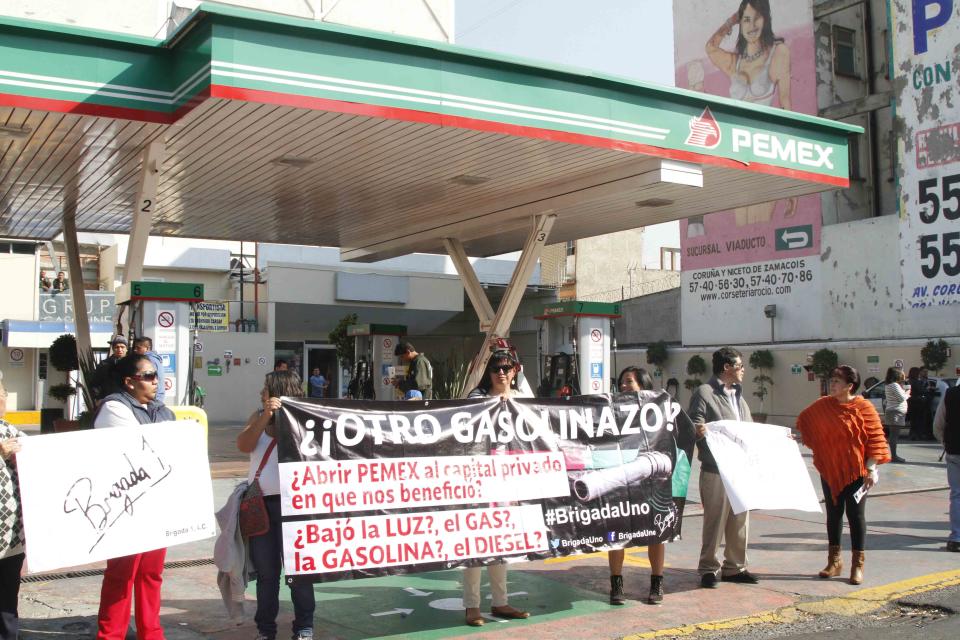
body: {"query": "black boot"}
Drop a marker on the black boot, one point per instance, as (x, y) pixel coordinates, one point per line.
(616, 590)
(656, 590)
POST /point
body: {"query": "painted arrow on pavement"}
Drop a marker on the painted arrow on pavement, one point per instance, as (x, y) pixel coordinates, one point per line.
(403, 612)
(416, 592)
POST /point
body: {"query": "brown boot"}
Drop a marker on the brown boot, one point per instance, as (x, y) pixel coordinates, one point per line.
(834, 563)
(856, 571)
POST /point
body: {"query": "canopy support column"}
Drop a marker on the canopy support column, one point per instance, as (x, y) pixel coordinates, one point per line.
(142, 220)
(143, 210)
(478, 298)
(81, 320)
(500, 326)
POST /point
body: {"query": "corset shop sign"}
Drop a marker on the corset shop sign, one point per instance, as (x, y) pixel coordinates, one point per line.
(58, 307)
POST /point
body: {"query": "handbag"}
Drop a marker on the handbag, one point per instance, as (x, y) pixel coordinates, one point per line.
(254, 519)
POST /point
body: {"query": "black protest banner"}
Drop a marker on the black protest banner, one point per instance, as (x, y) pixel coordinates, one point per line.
(376, 488)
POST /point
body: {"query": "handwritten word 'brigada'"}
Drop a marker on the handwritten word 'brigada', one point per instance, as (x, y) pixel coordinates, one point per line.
(528, 426)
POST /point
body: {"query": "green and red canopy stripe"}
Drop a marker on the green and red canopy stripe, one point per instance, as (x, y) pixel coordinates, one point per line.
(238, 54)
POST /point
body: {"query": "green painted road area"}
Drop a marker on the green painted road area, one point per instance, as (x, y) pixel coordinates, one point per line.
(429, 605)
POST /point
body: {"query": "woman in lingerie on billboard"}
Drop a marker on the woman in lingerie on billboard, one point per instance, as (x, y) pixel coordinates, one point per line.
(258, 439)
(759, 70)
(500, 380)
(631, 380)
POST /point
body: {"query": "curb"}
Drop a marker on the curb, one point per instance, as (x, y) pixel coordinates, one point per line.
(856, 603)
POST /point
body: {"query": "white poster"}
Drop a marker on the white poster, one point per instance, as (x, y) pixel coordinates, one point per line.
(761, 467)
(92, 495)
(926, 61)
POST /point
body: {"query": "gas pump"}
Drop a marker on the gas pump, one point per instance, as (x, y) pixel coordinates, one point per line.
(574, 343)
(375, 366)
(162, 311)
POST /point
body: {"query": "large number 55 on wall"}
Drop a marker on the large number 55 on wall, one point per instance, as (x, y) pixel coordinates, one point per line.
(925, 34)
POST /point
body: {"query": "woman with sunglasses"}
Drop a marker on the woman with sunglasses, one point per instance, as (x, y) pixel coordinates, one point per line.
(258, 438)
(845, 434)
(134, 405)
(632, 380)
(500, 380)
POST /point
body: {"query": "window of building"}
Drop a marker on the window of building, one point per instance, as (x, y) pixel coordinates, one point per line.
(669, 259)
(27, 248)
(845, 52)
(571, 247)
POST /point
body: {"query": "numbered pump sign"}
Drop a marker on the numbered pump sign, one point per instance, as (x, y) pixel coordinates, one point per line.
(925, 34)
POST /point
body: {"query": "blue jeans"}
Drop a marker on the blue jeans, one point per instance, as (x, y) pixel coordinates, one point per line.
(953, 479)
(266, 553)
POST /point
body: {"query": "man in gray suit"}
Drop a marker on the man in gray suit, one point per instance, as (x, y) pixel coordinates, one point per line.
(720, 399)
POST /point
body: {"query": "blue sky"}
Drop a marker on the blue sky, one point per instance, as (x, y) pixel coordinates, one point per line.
(630, 38)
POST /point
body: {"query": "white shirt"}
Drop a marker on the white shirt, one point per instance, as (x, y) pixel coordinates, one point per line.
(270, 476)
(731, 394)
(115, 414)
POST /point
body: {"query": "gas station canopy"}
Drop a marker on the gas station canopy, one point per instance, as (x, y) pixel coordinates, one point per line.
(285, 130)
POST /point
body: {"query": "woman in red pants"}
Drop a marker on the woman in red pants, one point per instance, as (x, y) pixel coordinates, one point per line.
(142, 573)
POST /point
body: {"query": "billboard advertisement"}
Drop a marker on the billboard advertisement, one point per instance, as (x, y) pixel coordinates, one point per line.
(737, 262)
(926, 61)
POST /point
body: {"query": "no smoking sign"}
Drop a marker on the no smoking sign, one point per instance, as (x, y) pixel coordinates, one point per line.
(165, 319)
(596, 335)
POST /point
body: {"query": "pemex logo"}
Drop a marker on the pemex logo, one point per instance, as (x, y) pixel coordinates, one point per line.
(704, 130)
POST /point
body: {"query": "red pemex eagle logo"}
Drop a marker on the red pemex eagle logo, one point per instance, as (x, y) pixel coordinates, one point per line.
(704, 130)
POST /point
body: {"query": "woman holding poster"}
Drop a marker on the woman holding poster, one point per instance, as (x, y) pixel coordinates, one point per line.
(258, 439)
(632, 380)
(11, 524)
(501, 380)
(845, 434)
(135, 404)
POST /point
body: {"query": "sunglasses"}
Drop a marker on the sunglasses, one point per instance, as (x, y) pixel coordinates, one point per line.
(500, 368)
(150, 376)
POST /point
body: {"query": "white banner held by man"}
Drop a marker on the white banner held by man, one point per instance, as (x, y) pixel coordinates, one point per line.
(92, 495)
(761, 467)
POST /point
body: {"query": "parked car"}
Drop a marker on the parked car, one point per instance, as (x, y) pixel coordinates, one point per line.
(939, 386)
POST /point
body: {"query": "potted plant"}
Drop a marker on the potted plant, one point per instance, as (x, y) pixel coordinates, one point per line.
(63, 356)
(696, 367)
(449, 377)
(657, 354)
(935, 354)
(344, 343)
(823, 363)
(762, 361)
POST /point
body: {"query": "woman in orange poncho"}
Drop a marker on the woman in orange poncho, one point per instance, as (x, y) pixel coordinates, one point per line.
(846, 436)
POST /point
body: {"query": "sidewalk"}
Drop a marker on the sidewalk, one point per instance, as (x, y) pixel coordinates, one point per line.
(567, 596)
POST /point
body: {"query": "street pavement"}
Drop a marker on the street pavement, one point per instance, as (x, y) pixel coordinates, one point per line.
(906, 514)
